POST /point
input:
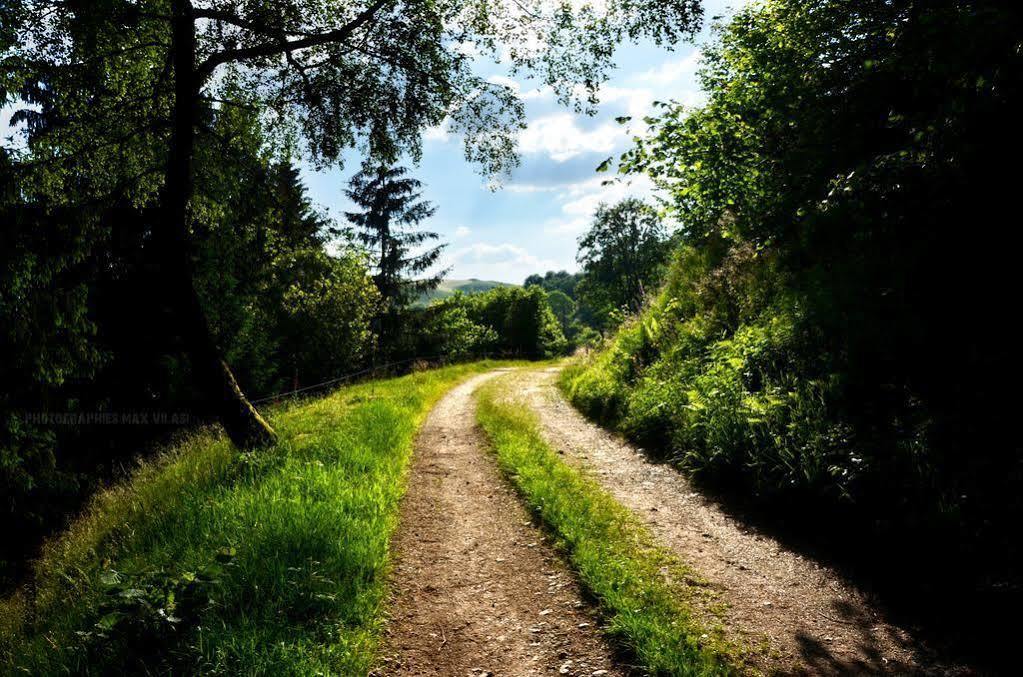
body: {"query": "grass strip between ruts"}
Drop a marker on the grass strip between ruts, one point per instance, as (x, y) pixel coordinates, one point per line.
(613, 554)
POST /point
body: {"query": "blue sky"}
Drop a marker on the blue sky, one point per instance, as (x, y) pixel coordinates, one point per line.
(531, 224)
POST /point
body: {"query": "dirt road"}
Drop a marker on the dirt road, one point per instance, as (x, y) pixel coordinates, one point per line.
(478, 589)
(804, 616)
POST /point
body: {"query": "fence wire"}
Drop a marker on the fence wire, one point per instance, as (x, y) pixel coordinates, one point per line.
(347, 378)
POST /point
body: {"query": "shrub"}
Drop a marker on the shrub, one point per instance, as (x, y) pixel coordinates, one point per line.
(450, 330)
(729, 396)
(510, 321)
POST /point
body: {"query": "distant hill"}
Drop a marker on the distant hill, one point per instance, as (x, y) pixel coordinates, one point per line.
(470, 286)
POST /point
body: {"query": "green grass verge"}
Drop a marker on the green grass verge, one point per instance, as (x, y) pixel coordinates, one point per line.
(640, 587)
(215, 562)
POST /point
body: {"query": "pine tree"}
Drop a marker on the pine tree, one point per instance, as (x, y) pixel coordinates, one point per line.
(386, 226)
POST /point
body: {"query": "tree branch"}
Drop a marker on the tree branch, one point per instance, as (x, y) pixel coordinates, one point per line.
(207, 67)
(235, 20)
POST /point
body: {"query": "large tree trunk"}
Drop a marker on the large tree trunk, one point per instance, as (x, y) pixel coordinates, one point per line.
(244, 425)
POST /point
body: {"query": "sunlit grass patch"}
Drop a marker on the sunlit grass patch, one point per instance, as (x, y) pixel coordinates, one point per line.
(219, 562)
(640, 587)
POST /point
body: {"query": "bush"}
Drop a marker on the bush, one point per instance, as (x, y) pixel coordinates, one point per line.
(325, 315)
(509, 321)
(741, 405)
(450, 330)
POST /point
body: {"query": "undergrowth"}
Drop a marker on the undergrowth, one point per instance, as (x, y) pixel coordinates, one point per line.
(739, 396)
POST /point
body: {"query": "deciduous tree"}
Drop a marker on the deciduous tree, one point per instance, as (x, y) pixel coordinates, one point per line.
(622, 255)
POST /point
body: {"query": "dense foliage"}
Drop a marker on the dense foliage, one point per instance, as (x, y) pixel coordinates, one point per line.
(555, 280)
(578, 319)
(832, 332)
(87, 334)
(158, 251)
(505, 321)
(622, 256)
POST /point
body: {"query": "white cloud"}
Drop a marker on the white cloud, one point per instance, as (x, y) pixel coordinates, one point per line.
(505, 262)
(559, 134)
(561, 138)
(439, 133)
(673, 71)
(483, 252)
(564, 135)
(637, 101)
(585, 205)
(579, 202)
(529, 188)
(462, 231)
(505, 81)
(468, 48)
(573, 227)
(675, 80)
(543, 92)
(584, 198)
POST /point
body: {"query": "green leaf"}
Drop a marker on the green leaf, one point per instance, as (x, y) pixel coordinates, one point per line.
(110, 621)
(226, 554)
(110, 577)
(132, 593)
(210, 573)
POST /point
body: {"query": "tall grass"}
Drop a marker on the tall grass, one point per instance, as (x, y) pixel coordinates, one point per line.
(613, 554)
(212, 561)
(748, 405)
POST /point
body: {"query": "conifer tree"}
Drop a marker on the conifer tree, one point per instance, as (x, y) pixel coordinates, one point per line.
(391, 209)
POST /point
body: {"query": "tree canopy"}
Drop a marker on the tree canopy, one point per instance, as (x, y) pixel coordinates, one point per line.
(325, 75)
(555, 280)
(622, 255)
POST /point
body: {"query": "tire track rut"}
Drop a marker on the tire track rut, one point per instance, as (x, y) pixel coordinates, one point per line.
(478, 590)
(798, 616)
